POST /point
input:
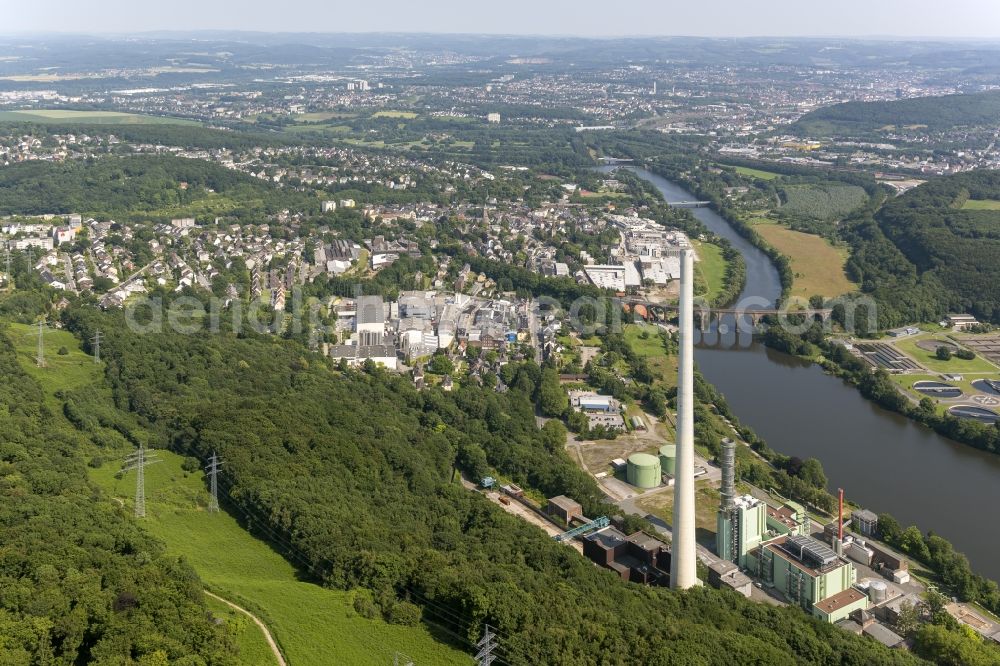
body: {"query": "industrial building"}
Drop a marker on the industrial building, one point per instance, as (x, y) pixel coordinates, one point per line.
(723, 574)
(774, 546)
(638, 558)
(564, 508)
(865, 522)
(810, 574)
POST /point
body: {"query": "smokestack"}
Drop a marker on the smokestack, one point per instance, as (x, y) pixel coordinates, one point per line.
(840, 523)
(727, 457)
(682, 561)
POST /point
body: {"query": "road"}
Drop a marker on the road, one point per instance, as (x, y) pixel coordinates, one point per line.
(263, 627)
(534, 328)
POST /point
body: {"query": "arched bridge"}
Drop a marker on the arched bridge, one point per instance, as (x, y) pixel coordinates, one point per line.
(647, 310)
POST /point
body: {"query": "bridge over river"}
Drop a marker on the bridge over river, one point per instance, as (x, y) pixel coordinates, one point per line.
(706, 315)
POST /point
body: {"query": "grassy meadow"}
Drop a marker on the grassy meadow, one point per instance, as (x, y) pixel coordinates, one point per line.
(817, 265)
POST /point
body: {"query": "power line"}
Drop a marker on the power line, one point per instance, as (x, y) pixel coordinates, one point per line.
(447, 620)
(487, 645)
(97, 346)
(139, 461)
(213, 474)
(40, 357)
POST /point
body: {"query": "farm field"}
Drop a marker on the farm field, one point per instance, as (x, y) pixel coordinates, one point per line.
(818, 266)
(322, 116)
(324, 128)
(89, 117)
(759, 174)
(408, 115)
(822, 202)
(981, 204)
(312, 624)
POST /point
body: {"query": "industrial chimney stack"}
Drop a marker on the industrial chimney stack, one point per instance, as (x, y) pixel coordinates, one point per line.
(727, 458)
(682, 562)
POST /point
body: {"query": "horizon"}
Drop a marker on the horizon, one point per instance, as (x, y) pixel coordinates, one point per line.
(893, 19)
(161, 33)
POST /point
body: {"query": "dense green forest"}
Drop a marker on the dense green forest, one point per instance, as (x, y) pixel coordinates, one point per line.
(923, 254)
(353, 471)
(81, 583)
(141, 187)
(936, 113)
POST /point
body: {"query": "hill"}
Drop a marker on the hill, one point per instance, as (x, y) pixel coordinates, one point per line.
(929, 251)
(936, 113)
(350, 474)
(81, 582)
(141, 187)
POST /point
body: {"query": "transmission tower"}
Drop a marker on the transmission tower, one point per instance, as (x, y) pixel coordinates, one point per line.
(487, 645)
(401, 659)
(8, 283)
(40, 356)
(97, 345)
(213, 475)
(138, 461)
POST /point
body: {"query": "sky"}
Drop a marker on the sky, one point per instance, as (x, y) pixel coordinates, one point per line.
(902, 18)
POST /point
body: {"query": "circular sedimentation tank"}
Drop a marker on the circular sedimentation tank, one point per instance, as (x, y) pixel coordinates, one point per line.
(643, 470)
(668, 458)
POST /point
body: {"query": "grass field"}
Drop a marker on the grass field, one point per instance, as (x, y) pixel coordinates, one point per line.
(254, 650)
(89, 117)
(312, 624)
(322, 128)
(651, 348)
(759, 174)
(322, 116)
(817, 265)
(71, 371)
(931, 362)
(981, 204)
(408, 115)
(711, 266)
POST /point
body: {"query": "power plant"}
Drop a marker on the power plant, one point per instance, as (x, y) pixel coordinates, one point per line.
(683, 572)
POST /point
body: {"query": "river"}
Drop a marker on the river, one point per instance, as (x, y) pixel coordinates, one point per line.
(883, 461)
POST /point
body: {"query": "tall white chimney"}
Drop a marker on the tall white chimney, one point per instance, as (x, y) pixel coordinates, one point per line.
(682, 562)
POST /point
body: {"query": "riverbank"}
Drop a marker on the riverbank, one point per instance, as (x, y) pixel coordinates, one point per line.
(883, 460)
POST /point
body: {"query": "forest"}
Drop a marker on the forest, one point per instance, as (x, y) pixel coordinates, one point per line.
(355, 470)
(80, 582)
(924, 255)
(936, 113)
(140, 187)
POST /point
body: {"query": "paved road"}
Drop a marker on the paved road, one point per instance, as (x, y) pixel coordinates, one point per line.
(263, 627)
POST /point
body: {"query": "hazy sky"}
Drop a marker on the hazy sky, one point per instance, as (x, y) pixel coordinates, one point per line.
(927, 18)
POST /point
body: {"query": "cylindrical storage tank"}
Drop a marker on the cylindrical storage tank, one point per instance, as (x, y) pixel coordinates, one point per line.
(878, 591)
(643, 470)
(668, 456)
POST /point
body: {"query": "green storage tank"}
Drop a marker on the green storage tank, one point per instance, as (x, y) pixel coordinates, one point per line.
(668, 458)
(643, 470)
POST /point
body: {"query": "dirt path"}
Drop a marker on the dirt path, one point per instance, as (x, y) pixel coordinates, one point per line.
(263, 627)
